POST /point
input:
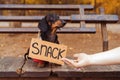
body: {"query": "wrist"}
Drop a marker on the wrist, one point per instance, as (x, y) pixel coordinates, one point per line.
(90, 60)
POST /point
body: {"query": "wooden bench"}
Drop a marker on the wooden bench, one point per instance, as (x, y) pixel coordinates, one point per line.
(38, 18)
(81, 18)
(8, 65)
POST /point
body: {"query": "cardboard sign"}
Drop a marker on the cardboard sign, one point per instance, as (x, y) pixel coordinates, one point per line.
(47, 51)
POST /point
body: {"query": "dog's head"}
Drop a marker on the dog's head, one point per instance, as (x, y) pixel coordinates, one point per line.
(51, 21)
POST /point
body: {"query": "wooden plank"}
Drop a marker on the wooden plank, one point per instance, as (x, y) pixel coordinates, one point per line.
(104, 32)
(95, 18)
(66, 71)
(18, 30)
(77, 30)
(5, 64)
(9, 65)
(101, 71)
(97, 69)
(35, 30)
(20, 18)
(104, 36)
(82, 23)
(86, 72)
(88, 18)
(39, 7)
(115, 68)
(28, 18)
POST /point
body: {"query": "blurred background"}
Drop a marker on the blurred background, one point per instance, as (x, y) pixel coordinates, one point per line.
(111, 6)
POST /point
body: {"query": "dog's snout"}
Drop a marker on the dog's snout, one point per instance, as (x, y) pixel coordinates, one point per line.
(63, 23)
(60, 23)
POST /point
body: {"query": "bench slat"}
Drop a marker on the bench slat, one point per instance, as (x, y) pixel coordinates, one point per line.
(5, 67)
(9, 65)
(88, 18)
(95, 18)
(35, 30)
(18, 30)
(38, 7)
(77, 30)
(66, 71)
(102, 71)
(91, 71)
(27, 18)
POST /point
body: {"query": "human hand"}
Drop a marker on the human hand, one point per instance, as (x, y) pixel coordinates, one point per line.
(81, 61)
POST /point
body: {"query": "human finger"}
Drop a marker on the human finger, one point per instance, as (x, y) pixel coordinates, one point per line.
(69, 62)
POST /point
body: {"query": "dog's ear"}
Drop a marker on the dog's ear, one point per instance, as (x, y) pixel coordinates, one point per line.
(52, 18)
(43, 26)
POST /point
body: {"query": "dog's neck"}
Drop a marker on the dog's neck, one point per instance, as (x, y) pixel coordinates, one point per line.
(53, 31)
(51, 36)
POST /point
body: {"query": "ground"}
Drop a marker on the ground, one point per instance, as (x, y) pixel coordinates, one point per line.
(17, 44)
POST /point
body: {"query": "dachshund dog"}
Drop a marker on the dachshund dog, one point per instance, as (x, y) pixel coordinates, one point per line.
(48, 27)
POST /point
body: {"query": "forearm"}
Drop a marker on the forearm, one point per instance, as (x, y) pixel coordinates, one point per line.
(106, 58)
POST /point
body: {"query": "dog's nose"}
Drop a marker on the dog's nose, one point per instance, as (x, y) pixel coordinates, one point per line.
(63, 23)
